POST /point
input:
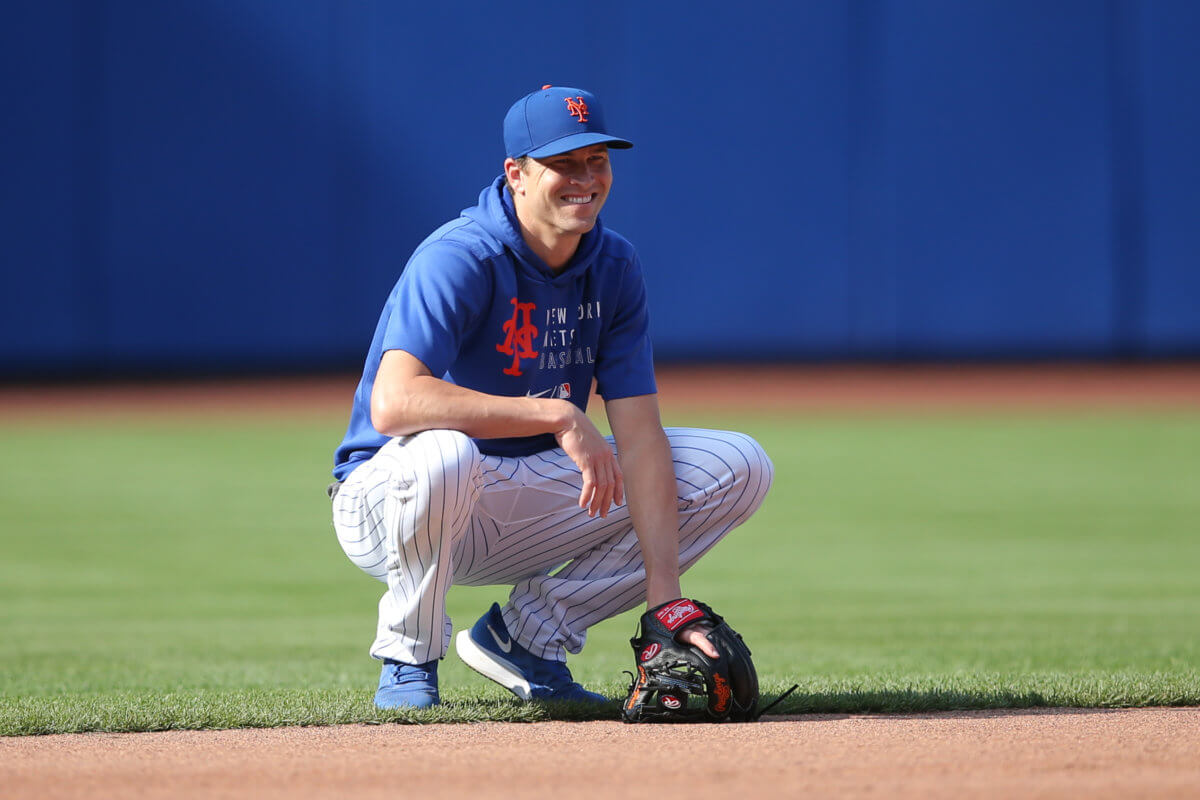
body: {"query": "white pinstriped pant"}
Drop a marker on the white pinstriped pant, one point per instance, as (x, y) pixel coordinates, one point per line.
(429, 510)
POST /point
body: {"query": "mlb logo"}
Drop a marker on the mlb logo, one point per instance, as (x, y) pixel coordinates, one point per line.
(564, 391)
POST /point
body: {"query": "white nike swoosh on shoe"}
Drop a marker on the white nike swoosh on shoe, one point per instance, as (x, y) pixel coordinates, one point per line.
(492, 666)
(506, 646)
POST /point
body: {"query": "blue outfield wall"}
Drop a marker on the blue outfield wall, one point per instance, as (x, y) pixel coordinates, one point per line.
(204, 185)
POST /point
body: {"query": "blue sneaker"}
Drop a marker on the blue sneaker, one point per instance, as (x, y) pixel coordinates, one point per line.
(407, 685)
(488, 649)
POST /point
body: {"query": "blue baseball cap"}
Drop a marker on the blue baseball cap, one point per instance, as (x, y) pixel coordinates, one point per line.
(553, 120)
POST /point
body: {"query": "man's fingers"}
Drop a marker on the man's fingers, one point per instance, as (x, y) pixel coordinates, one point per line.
(697, 636)
(615, 495)
(603, 484)
(596, 488)
(589, 487)
(618, 486)
(603, 497)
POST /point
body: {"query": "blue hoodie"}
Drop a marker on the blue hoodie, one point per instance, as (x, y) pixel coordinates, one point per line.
(477, 306)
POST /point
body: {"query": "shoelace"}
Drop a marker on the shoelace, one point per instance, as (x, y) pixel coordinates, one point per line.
(406, 673)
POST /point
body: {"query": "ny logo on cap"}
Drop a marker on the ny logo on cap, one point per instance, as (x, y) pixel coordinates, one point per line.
(577, 108)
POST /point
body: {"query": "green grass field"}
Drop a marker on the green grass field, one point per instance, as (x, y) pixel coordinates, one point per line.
(184, 574)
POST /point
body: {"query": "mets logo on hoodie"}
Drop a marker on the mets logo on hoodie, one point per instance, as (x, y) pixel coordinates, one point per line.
(519, 333)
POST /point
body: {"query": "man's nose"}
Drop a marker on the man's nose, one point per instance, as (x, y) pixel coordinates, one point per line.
(584, 174)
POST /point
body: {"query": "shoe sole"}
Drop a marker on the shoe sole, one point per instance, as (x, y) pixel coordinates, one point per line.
(491, 666)
(394, 706)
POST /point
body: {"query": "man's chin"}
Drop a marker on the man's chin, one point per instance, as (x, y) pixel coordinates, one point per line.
(581, 226)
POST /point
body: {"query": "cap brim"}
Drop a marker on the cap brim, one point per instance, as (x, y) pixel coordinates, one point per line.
(576, 141)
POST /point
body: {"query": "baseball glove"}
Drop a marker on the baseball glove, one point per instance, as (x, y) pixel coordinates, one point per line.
(677, 683)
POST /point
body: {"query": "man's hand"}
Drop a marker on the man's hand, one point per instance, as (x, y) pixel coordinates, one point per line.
(673, 670)
(697, 636)
(603, 483)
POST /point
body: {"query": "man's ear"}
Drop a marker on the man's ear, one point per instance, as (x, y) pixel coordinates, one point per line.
(514, 176)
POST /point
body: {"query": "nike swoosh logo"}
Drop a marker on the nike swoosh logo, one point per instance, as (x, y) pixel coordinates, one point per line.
(504, 645)
(539, 394)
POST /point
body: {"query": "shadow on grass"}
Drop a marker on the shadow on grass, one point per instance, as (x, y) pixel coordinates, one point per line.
(917, 702)
(474, 710)
(909, 702)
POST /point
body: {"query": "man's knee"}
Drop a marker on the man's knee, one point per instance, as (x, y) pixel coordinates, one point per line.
(453, 448)
(438, 469)
(759, 469)
(723, 468)
(451, 461)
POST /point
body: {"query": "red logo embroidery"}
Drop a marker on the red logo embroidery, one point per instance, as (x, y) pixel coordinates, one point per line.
(564, 391)
(671, 701)
(721, 689)
(518, 339)
(678, 613)
(577, 108)
(651, 651)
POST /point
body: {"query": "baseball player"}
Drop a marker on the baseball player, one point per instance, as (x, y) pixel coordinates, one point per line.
(469, 458)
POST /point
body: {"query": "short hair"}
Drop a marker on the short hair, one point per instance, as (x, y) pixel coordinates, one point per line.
(521, 162)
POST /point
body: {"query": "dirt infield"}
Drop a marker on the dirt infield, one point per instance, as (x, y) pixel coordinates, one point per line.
(1000, 754)
(828, 389)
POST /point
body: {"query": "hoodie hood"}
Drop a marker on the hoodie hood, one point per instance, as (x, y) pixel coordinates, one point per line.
(497, 216)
